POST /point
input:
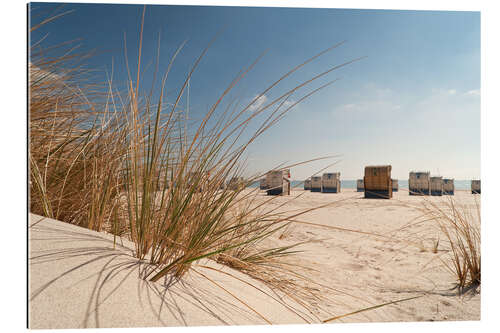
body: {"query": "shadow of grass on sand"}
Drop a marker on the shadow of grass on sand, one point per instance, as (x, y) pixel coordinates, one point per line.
(80, 278)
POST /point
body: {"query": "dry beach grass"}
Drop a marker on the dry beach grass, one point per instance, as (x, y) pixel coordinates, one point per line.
(460, 223)
(122, 163)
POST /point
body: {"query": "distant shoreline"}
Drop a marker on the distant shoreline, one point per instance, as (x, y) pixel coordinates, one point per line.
(403, 184)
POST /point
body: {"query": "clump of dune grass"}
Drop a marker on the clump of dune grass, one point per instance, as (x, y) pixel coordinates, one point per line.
(125, 163)
(74, 142)
(460, 223)
(174, 226)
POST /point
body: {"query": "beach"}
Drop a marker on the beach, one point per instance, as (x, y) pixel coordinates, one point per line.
(147, 168)
(359, 253)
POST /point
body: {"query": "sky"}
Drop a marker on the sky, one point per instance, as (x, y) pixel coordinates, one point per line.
(412, 102)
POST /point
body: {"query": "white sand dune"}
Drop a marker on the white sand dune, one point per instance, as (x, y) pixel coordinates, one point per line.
(78, 279)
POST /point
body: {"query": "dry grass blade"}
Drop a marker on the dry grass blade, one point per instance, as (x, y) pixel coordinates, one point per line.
(370, 308)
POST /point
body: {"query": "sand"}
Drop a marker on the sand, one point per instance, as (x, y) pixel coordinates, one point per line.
(80, 278)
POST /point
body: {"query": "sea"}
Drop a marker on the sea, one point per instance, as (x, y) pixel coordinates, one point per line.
(403, 183)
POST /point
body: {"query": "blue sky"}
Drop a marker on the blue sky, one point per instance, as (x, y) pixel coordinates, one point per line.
(413, 102)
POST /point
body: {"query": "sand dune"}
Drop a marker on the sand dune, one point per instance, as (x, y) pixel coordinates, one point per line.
(78, 278)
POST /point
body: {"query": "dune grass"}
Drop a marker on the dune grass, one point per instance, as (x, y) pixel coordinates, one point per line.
(460, 223)
(449, 227)
(73, 142)
(121, 162)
